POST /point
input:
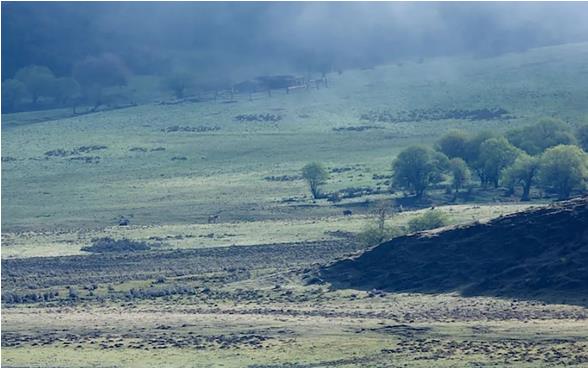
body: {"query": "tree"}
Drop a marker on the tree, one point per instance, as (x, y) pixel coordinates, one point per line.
(315, 175)
(460, 173)
(453, 144)
(94, 74)
(472, 153)
(178, 83)
(65, 89)
(522, 172)
(582, 136)
(564, 168)
(417, 167)
(535, 139)
(13, 91)
(496, 154)
(473, 144)
(38, 81)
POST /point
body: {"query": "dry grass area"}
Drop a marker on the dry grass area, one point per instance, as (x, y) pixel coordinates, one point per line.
(195, 236)
(342, 329)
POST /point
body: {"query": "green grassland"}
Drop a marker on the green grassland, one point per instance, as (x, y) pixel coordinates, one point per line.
(191, 236)
(253, 304)
(224, 170)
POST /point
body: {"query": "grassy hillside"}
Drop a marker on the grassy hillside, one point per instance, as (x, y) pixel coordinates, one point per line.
(193, 300)
(223, 171)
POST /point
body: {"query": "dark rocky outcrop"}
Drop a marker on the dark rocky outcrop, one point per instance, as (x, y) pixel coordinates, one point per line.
(541, 253)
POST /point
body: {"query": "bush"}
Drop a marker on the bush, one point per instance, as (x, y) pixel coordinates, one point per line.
(377, 231)
(429, 220)
(373, 234)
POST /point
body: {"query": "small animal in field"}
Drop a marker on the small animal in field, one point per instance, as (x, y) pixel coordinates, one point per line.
(347, 213)
(213, 219)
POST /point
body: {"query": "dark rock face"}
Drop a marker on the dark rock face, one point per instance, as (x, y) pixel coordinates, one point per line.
(540, 253)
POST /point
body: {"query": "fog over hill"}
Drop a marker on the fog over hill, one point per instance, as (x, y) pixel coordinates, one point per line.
(241, 39)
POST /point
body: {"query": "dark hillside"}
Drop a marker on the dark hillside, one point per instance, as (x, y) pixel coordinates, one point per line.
(541, 253)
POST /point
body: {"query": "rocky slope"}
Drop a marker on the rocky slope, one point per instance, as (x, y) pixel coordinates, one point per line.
(539, 253)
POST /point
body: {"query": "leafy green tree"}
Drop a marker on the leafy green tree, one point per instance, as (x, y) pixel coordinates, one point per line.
(315, 175)
(417, 167)
(13, 91)
(453, 144)
(564, 168)
(94, 74)
(178, 82)
(522, 172)
(65, 89)
(38, 81)
(536, 138)
(472, 153)
(460, 173)
(582, 136)
(473, 144)
(496, 154)
(429, 220)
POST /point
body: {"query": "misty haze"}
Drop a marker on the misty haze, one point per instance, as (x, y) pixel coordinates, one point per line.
(294, 184)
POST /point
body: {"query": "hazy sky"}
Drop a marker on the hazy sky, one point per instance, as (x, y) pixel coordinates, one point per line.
(154, 37)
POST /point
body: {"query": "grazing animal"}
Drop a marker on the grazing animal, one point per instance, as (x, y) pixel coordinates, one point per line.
(347, 213)
(212, 219)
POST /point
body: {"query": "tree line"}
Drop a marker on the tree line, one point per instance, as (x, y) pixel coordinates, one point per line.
(87, 85)
(548, 155)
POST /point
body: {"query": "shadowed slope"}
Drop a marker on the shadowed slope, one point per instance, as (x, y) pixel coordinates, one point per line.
(540, 253)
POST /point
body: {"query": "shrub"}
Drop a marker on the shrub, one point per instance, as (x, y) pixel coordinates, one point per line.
(374, 235)
(429, 220)
(376, 231)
